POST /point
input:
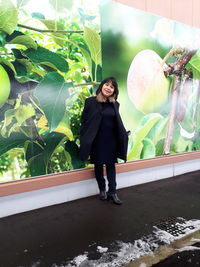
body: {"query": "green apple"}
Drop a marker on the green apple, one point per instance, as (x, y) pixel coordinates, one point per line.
(147, 85)
(4, 86)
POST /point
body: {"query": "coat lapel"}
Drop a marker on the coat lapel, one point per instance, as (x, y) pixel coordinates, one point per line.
(116, 109)
(98, 106)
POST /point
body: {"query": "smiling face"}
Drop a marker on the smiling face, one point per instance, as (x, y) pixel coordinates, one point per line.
(108, 89)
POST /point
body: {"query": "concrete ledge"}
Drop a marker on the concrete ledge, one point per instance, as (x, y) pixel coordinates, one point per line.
(36, 183)
(17, 203)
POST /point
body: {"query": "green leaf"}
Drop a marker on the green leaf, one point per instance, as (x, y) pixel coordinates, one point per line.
(93, 42)
(160, 147)
(159, 130)
(24, 40)
(8, 16)
(64, 128)
(37, 166)
(51, 94)
(15, 118)
(73, 150)
(4, 61)
(34, 154)
(15, 34)
(194, 63)
(51, 25)
(14, 140)
(32, 149)
(21, 3)
(148, 150)
(38, 157)
(87, 56)
(52, 142)
(183, 145)
(17, 53)
(37, 15)
(20, 68)
(84, 15)
(26, 62)
(145, 125)
(61, 5)
(42, 55)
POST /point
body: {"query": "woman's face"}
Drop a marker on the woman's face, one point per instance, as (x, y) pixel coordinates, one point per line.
(108, 89)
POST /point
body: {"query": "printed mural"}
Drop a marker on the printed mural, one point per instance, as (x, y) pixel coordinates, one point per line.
(50, 61)
(157, 63)
(54, 53)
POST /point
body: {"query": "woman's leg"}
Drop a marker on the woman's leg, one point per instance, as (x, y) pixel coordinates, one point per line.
(98, 170)
(111, 176)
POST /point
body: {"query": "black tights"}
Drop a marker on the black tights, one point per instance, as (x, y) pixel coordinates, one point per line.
(111, 177)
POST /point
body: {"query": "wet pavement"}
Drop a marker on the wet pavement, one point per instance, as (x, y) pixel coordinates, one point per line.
(53, 236)
(188, 258)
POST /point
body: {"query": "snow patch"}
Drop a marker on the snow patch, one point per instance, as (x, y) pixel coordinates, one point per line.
(188, 248)
(126, 252)
(101, 249)
(195, 240)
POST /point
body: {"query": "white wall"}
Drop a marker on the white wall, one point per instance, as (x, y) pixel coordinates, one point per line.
(22, 202)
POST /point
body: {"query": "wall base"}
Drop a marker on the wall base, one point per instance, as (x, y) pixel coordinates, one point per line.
(27, 201)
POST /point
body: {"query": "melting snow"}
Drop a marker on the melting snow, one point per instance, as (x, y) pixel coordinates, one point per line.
(126, 252)
(186, 248)
(101, 249)
(195, 240)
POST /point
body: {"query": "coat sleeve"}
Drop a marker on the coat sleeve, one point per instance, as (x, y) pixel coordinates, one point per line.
(84, 115)
(127, 132)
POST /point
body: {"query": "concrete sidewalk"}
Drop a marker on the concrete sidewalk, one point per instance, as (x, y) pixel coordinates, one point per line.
(54, 235)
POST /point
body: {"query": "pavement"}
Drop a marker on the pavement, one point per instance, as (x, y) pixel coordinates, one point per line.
(55, 235)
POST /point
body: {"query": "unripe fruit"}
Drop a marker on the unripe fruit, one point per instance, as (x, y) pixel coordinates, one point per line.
(147, 85)
(4, 86)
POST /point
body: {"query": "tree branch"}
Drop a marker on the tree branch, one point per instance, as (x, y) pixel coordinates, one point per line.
(33, 130)
(172, 115)
(184, 94)
(180, 63)
(52, 31)
(86, 84)
(197, 106)
(177, 69)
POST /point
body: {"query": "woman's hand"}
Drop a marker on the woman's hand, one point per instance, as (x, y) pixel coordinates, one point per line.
(128, 133)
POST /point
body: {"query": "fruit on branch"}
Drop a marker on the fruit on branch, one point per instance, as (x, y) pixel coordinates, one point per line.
(148, 87)
(4, 86)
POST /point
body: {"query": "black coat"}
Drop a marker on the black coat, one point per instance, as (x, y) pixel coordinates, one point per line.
(90, 122)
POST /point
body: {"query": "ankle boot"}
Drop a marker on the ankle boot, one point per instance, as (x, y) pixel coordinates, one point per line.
(114, 198)
(103, 195)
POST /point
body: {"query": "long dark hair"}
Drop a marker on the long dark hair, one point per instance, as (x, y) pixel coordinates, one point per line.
(114, 83)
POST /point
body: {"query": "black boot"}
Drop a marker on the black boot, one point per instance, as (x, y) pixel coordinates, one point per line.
(114, 198)
(103, 195)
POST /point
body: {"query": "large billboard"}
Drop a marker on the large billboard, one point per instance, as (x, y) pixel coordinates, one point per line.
(157, 64)
(50, 62)
(54, 53)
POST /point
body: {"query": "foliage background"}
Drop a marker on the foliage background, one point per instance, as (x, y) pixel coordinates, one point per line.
(127, 31)
(51, 51)
(51, 73)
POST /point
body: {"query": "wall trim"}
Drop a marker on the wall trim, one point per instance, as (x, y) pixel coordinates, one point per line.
(45, 181)
(36, 199)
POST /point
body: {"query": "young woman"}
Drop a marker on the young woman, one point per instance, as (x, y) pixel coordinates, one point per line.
(103, 136)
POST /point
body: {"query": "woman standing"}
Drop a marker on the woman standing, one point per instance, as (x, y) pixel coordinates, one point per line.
(103, 136)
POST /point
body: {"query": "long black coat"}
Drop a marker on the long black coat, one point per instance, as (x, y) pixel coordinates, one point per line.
(90, 122)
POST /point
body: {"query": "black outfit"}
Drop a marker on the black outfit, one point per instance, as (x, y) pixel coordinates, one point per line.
(104, 138)
(90, 123)
(104, 146)
(111, 176)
